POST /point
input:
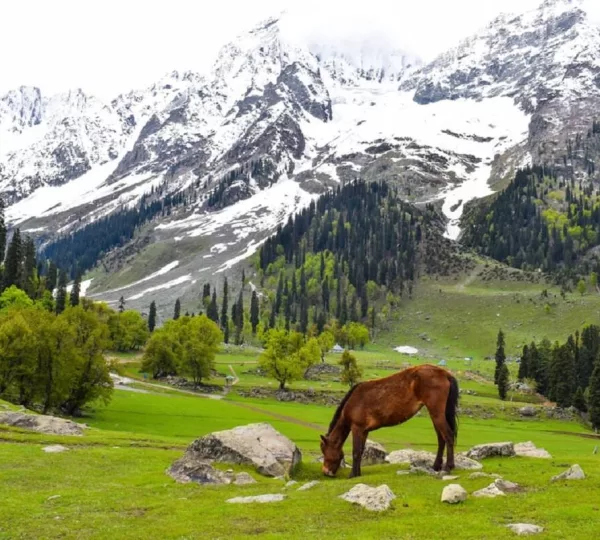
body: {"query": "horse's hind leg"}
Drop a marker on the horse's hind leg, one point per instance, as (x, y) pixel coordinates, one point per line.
(359, 437)
(439, 458)
(444, 432)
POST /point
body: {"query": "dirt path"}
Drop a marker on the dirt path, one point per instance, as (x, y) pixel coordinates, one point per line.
(278, 416)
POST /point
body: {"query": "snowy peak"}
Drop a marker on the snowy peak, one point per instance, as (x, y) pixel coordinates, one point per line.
(20, 109)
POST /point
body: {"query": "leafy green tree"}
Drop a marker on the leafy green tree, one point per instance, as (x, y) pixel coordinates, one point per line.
(326, 342)
(357, 335)
(61, 293)
(503, 381)
(287, 356)
(17, 352)
(200, 339)
(14, 298)
(594, 399)
(351, 372)
(581, 287)
(500, 355)
(128, 330)
(152, 317)
(594, 279)
(161, 353)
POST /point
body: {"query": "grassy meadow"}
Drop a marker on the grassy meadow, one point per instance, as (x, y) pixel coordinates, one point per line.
(111, 483)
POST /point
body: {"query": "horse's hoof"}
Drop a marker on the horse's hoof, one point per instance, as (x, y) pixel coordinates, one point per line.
(437, 467)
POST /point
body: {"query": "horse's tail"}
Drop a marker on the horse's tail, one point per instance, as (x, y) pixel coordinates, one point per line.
(452, 405)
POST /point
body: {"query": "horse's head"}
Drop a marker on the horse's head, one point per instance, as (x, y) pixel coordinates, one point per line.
(332, 456)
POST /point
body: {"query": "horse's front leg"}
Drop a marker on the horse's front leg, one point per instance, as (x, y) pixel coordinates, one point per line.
(359, 438)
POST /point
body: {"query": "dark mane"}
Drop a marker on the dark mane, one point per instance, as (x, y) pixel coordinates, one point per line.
(338, 411)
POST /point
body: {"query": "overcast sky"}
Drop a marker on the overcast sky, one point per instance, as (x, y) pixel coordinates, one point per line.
(108, 46)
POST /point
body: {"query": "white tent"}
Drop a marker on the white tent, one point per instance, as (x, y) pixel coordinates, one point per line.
(337, 349)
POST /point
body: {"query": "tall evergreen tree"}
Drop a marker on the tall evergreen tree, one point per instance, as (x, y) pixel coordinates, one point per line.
(152, 316)
(224, 312)
(503, 381)
(524, 371)
(75, 291)
(52, 277)
(2, 231)
(254, 312)
(500, 355)
(303, 314)
(239, 318)
(213, 309)
(28, 277)
(177, 310)
(12, 263)
(594, 400)
(61, 293)
(121, 304)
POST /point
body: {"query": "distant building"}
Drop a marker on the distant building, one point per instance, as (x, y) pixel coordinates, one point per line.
(337, 349)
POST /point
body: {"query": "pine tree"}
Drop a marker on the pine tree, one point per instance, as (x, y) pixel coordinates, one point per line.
(303, 314)
(524, 364)
(579, 400)
(562, 376)
(75, 291)
(213, 308)
(12, 263)
(279, 294)
(224, 314)
(594, 400)
(2, 231)
(364, 302)
(503, 381)
(177, 310)
(152, 316)
(28, 278)
(239, 318)
(121, 304)
(52, 277)
(254, 312)
(500, 355)
(61, 293)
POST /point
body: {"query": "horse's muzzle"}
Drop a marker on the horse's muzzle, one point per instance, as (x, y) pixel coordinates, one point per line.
(327, 472)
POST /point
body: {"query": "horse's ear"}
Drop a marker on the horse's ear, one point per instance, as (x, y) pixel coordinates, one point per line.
(324, 438)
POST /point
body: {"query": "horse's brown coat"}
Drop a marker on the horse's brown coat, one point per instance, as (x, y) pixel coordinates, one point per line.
(388, 402)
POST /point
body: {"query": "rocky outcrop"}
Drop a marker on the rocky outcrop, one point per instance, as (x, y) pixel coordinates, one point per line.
(482, 451)
(41, 423)
(572, 473)
(376, 499)
(257, 445)
(528, 449)
(453, 494)
(374, 454)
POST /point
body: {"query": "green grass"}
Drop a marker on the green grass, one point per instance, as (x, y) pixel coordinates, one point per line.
(112, 487)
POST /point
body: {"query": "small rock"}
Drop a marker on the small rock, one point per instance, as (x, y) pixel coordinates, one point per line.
(53, 498)
(479, 474)
(243, 478)
(199, 471)
(482, 451)
(447, 478)
(528, 449)
(402, 473)
(506, 486)
(420, 458)
(528, 411)
(523, 529)
(375, 499)
(308, 485)
(54, 449)
(276, 497)
(291, 483)
(453, 494)
(491, 491)
(374, 453)
(422, 470)
(573, 473)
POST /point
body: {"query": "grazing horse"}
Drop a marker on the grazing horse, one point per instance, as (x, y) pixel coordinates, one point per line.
(390, 401)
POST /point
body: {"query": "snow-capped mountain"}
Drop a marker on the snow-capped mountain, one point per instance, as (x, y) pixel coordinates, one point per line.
(278, 120)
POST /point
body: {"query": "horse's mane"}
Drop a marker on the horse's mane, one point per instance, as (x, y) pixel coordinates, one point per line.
(338, 411)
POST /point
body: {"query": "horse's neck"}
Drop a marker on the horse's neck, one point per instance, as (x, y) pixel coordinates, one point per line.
(339, 433)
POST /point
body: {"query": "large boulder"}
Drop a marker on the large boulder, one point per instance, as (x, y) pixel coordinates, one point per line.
(258, 445)
(41, 423)
(528, 411)
(420, 458)
(454, 493)
(573, 473)
(374, 453)
(528, 449)
(375, 499)
(482, 451)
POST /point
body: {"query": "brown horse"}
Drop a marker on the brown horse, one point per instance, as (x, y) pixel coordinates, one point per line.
(388, 402)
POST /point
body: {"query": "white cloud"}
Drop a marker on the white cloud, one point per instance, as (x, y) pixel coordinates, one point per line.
(108, 46)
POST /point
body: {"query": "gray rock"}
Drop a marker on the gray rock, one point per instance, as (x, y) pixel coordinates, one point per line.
(491, 491)
(506, 486)
(259, 445)
(189, 469)
(453, 494)
(482, 451)
(448, 478)
(524, 529)
(528, 411)
(41, 423)
(422, 470)
(55, 449)
(374, 453)
(243, 478)
(420, 458)
(276, 497)
(308, 485)
(291, 483)
(573, 473)
(528, 449)
(476, 475)
(376, 499)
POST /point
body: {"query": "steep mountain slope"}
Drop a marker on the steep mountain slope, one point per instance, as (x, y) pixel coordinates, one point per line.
(276, 122)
